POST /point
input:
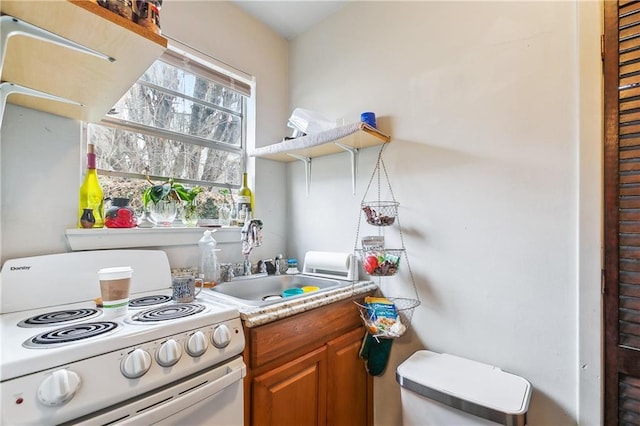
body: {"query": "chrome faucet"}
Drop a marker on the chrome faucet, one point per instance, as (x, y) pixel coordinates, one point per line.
(251, 237)
(246, 265)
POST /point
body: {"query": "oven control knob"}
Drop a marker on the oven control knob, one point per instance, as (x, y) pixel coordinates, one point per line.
(197, 344)
(169, 353)
(135, 364)
(58, 387)
(221, 336)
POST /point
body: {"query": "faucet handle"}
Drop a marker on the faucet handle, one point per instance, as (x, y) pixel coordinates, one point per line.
(277, 264)
(227, 272)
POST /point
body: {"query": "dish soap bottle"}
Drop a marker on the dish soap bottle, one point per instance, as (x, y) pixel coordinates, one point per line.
(292, 267)
(91, 201)
(209, 269)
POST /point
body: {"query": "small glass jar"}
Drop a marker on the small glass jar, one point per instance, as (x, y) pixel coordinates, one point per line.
(148, 14)
(292, 267)
(123, 8)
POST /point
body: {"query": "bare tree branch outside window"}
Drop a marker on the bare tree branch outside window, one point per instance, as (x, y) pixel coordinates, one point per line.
(171, 124)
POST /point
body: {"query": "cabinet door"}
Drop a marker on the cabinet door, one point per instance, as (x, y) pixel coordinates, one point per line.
(292, 394)
(349, 387)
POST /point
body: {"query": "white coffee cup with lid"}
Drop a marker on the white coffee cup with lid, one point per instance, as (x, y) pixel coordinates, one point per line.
(115, 286)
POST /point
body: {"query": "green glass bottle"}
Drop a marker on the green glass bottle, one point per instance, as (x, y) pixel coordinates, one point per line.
(91, 195)
(245, 201)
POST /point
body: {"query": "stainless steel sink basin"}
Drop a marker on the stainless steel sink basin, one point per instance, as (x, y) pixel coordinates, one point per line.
(267, 290)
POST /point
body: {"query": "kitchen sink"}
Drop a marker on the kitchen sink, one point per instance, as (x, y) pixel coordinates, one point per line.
(269, 289)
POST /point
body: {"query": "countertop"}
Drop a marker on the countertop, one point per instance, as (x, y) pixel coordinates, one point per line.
(253, 316)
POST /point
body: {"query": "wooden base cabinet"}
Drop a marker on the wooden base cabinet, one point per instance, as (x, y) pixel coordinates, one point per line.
(293, 394)
(306, 370)
(348, 378)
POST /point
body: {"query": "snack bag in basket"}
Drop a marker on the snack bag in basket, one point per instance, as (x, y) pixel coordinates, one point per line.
(384, 320)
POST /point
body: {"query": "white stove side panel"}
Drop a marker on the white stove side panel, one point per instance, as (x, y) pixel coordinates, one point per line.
(57, 279)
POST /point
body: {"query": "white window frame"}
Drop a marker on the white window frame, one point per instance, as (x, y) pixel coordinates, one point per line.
(106, 238)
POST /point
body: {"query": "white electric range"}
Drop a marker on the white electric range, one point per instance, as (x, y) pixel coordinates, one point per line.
(62, 360)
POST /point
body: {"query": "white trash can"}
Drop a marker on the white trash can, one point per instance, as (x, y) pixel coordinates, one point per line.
(442, 389)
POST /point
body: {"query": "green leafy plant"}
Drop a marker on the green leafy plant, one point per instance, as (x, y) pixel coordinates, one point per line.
(187, 194)
(209, 209)
(169, 191)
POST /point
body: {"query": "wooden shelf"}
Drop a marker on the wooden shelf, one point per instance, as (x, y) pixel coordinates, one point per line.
(95, 83)
(356, 135)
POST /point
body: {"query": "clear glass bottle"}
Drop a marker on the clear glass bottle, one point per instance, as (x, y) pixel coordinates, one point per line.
(91, 195)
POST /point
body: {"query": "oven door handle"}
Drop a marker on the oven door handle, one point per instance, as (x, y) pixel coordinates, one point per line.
(157, 412)
(175, 399)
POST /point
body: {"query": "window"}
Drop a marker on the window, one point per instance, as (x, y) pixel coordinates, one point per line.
(184, 119)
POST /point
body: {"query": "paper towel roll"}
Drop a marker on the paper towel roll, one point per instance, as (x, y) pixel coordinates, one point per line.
(327, 262)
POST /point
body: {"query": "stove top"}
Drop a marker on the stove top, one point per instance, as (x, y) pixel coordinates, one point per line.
(30, 342)
(39, 333)
(62, 358)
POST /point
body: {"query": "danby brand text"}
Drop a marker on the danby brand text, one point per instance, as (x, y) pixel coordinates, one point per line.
(20, 268)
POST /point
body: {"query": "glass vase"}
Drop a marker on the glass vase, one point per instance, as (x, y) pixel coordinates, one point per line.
(163, 212)
(189, 215)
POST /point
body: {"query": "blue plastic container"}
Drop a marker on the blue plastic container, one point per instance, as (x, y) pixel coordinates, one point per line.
(368, 118)
(292, 292)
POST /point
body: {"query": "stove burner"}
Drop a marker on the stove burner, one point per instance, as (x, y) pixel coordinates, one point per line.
(166, 313)
(70, 334)
(58, 317)
(141, 302)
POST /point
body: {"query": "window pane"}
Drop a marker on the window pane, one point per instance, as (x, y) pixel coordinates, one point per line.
(191, 85)
(130, 152)
(155, 108)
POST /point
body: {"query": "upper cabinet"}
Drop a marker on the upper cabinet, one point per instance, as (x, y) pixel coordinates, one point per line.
(94, 82)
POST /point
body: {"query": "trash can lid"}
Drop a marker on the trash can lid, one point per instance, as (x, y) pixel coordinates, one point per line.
(464, 379)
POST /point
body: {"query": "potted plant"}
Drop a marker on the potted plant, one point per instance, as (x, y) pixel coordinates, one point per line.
(208, 213)
(226, 209)
(164, 199)
(189, 210)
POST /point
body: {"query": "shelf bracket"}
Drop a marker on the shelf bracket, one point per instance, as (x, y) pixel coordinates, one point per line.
(307, 168)
(7, 89)
(10, 26)
(354, 164)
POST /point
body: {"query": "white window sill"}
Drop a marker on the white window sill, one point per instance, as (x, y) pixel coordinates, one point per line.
(111, 238)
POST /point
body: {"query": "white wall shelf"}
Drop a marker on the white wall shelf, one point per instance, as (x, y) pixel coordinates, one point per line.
(110, 238)
(350, 138)
(354, 135)
(93, 82)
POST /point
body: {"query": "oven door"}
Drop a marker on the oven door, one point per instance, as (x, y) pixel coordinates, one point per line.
(213, 397)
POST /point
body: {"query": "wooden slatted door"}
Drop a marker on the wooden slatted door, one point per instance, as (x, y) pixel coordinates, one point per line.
(622, 212)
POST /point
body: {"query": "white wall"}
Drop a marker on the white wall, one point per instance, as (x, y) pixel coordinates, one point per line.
(40, 176)
(482, 100)
(41, 156)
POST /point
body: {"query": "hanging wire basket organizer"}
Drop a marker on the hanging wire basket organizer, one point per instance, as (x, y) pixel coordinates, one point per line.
(380, 213)
(387, 329)
(381, 262)
(389, 322)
